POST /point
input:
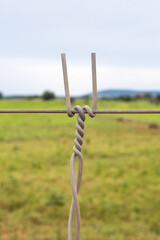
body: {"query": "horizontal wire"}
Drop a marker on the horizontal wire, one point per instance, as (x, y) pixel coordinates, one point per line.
(74, 111)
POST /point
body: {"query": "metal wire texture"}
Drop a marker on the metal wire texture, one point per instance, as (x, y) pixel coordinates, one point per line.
(143, 111)
(76, 186)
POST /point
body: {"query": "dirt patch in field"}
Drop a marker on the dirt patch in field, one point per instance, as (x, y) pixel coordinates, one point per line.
(136, 122)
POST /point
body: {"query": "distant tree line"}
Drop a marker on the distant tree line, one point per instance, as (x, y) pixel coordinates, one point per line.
(49, 95)
(127, 98)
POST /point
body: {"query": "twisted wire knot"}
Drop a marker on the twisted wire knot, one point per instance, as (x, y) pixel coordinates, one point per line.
(76, 186)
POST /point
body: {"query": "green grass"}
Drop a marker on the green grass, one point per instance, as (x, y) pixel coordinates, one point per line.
(120, 190)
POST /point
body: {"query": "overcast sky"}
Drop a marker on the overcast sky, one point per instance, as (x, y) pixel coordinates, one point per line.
(124, 34)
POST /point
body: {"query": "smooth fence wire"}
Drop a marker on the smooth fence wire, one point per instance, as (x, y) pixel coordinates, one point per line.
(143, 111)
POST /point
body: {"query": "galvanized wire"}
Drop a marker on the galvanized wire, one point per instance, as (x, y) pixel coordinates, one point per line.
(76, 186)
(134, 111)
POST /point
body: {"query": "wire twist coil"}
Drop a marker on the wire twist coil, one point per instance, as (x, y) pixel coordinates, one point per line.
(77, 153)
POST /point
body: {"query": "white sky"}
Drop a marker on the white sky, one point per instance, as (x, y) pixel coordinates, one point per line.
(124, 34)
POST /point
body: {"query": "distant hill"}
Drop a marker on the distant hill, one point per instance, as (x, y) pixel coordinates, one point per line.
(110, 93)
(114, 93)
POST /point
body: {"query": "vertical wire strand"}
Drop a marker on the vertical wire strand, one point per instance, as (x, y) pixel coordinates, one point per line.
(94, 81)
(66, 85)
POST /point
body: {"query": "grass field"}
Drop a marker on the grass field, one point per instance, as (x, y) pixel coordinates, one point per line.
(120, 190)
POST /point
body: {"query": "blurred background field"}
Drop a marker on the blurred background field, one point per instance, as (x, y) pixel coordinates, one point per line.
(120, 191)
